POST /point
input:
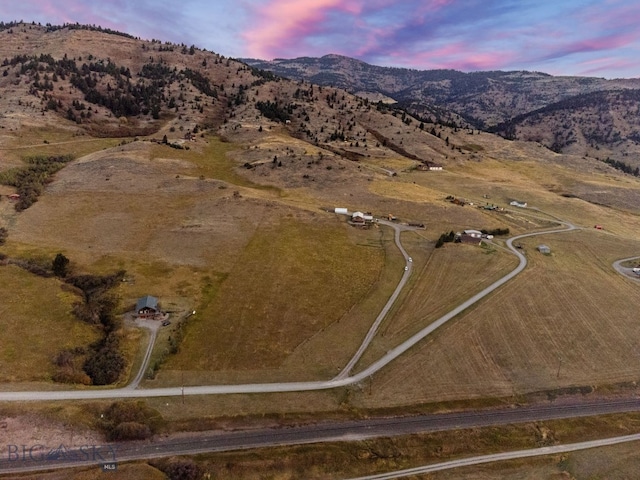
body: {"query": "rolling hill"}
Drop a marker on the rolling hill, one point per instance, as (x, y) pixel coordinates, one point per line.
(567, 114)
(210, 183)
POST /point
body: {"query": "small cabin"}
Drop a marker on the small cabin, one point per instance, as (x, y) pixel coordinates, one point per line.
(147, 307)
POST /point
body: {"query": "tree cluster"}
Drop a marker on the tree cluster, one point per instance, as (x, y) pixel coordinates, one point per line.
(623, 167)
(105, 363)
(201, 82)
(30, 180)
(273, 111)
(94, 28)
(495, 231)
(445, 238)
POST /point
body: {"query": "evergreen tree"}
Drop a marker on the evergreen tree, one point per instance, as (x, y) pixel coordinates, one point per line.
(60, 266)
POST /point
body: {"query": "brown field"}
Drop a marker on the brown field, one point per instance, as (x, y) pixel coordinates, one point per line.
(438, 288)
(238, 259)
(125, 471)
(253, 315)
(550, 327)
(36, 322)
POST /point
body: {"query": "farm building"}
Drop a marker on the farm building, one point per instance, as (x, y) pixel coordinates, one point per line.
(430, 167)
(147, 307)
(360, 219)
(544, 249)
(468, 239)
(341, 211)
(473, 233)
(357, 217)
(516, 203)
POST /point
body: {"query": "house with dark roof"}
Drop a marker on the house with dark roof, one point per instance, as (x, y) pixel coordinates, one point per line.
(147, 307)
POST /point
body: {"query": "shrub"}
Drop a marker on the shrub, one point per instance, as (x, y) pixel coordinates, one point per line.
(179, 468)
(130, 431)
(106, 363)
(60, 266)
(130, 421)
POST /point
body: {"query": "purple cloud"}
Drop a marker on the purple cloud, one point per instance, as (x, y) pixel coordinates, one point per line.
(461, 34)
(563, 37)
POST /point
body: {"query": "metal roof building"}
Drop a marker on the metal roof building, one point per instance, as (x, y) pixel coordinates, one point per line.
(147, 304)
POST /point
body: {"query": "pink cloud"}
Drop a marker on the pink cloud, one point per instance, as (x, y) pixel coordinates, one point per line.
(457, 56)
(290, 21)
(605, 65)
(57, 12)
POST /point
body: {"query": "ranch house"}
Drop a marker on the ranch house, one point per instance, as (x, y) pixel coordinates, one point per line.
(147, 307)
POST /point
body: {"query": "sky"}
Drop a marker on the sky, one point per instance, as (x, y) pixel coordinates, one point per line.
(560, 37)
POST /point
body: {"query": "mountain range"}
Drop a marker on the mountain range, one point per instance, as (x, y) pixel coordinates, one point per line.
(579, 115)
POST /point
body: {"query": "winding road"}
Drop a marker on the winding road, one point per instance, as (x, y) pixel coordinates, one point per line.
(343, 379)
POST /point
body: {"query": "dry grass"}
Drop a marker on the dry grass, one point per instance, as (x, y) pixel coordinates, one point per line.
(555, 314)
(35, 314)
(439, 287)
(51, 141)
(367, 457)
(126, 471)
(230, 258)
(293, 280)
(209, 156)
(406, 191)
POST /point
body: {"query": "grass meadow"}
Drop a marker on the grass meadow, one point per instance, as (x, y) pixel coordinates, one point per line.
(286, 292)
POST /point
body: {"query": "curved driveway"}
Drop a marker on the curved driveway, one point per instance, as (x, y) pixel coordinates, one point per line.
(627, 272)
(339, 381)
(403, 281)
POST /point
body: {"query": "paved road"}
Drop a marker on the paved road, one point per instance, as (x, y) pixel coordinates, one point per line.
(382, 362)
(336, 431)
(534, 452)
(403, 281)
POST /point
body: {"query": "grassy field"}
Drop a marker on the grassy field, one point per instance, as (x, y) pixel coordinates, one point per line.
(211, 158)
(546, 329)
(51, 141)
(277, 293)
(439, 287)
(293, 280)
(36, 322)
